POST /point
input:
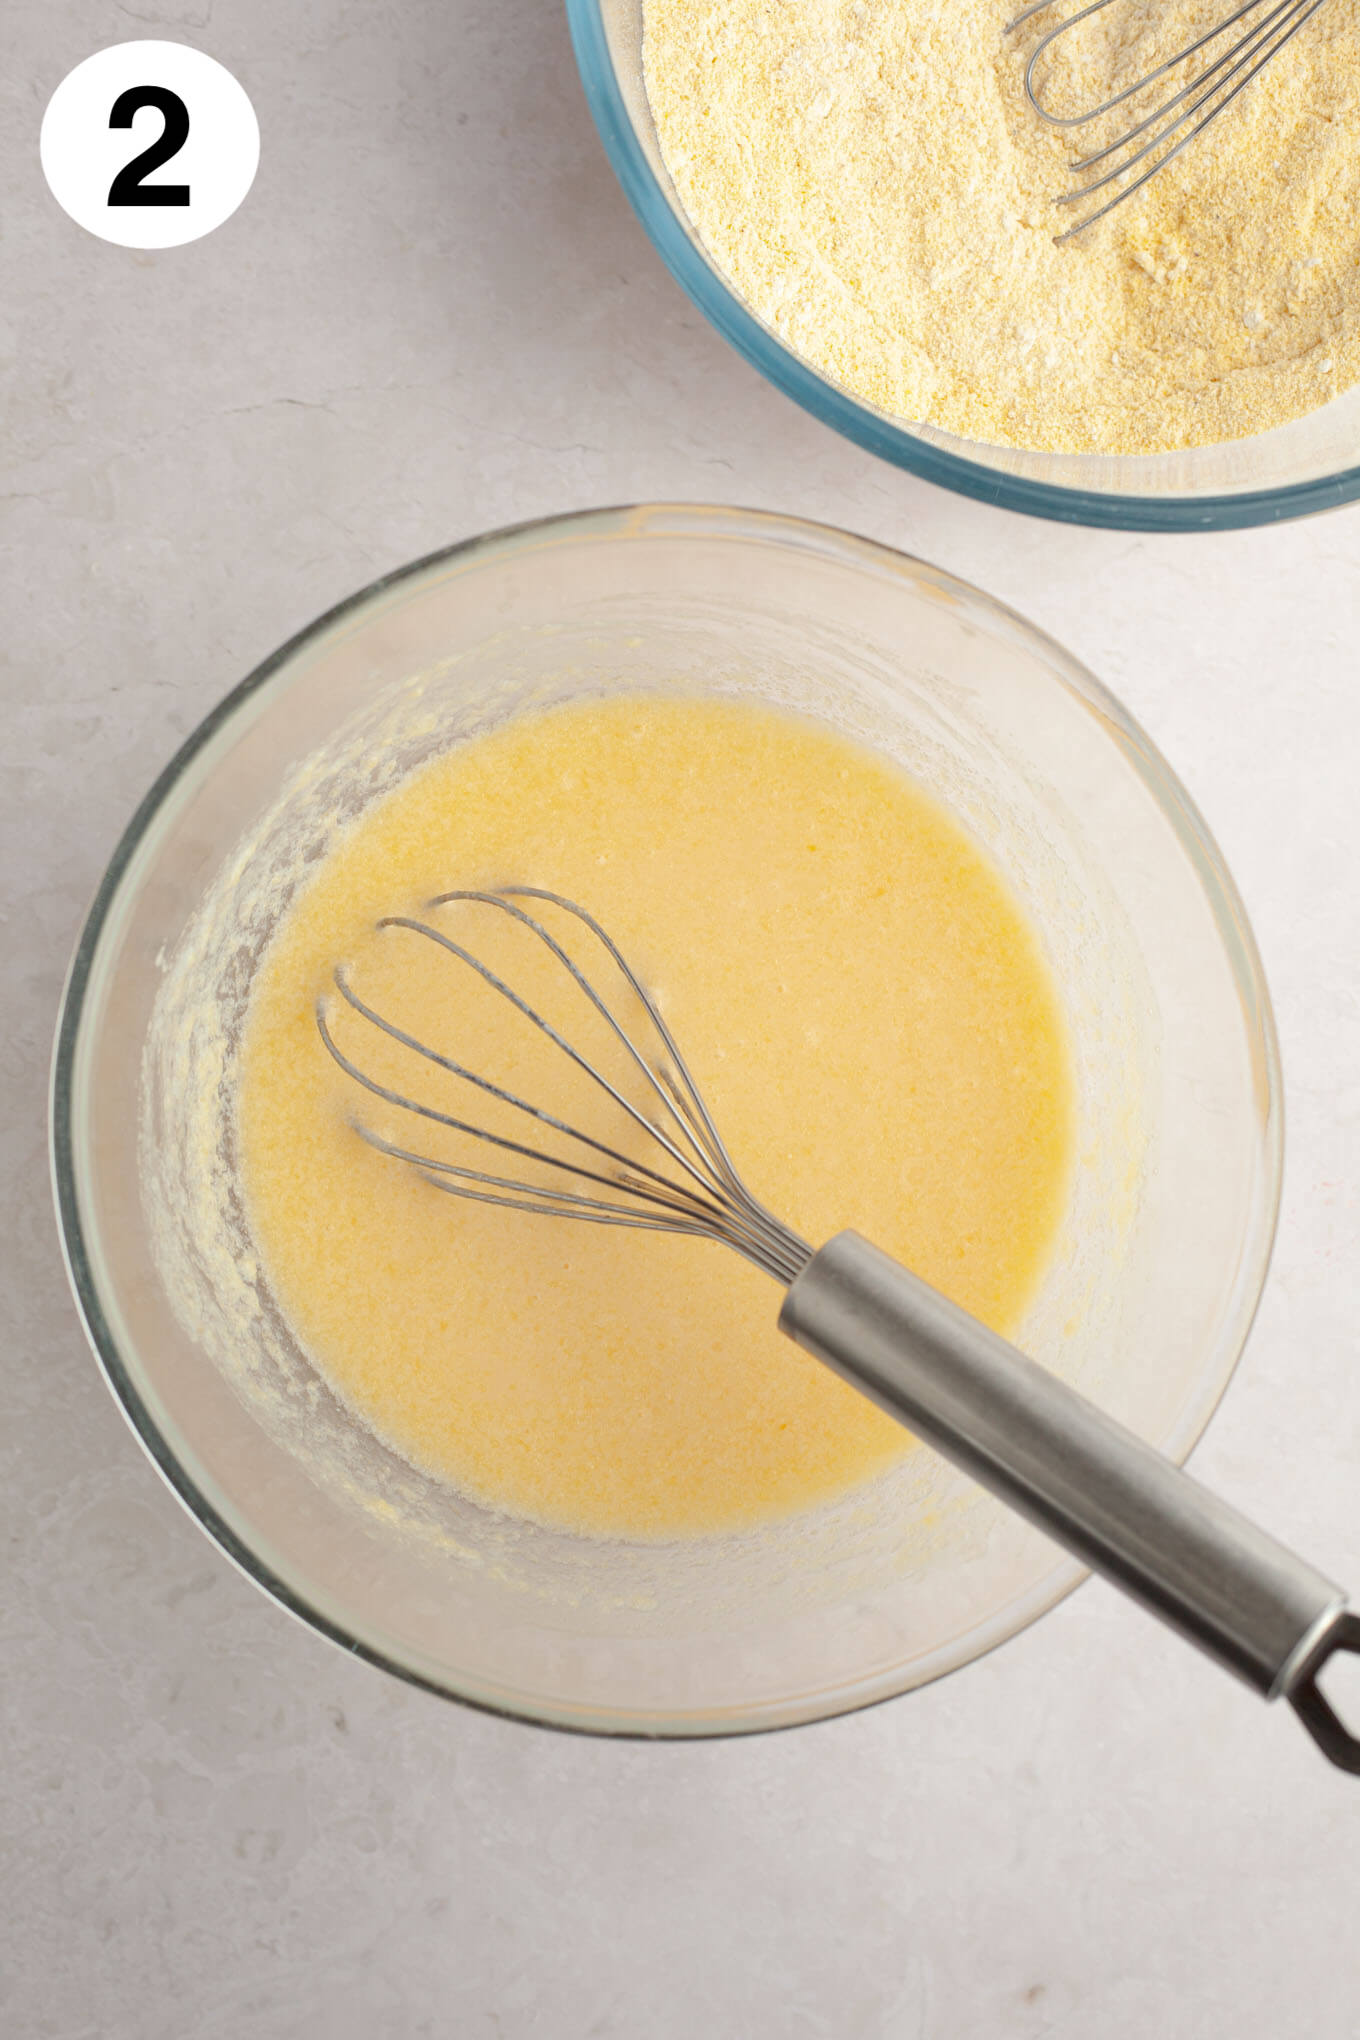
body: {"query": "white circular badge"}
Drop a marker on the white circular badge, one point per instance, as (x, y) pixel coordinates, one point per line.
(149, 144)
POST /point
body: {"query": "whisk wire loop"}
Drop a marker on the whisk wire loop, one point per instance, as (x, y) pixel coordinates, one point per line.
(456, 1125)
(1299, 12)
(1193, 90)
(545, 1027)
(1206, 95)
(1130, 91)
(683, 1095)
(675, 1087)
(536, 928)
(689, 1187)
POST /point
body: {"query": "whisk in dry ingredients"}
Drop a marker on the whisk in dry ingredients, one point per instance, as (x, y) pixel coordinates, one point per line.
(875, 184)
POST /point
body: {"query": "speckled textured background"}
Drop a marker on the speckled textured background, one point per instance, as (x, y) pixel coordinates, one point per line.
(435, 314)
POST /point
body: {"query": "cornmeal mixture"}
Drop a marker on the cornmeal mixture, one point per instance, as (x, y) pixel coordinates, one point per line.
(861, 1003)
(871, 178)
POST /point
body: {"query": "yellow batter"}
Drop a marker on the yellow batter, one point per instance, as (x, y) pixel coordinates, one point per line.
(864, 1009)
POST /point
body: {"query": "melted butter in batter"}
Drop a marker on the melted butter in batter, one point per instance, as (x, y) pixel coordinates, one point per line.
(866, 1013)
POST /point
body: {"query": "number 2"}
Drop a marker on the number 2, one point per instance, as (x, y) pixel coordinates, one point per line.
(127, 187)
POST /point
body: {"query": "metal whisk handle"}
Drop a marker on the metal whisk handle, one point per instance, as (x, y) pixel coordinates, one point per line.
(1118, 1505)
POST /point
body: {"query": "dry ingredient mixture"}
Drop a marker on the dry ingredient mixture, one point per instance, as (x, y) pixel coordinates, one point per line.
(866, 1012)
(871, 178)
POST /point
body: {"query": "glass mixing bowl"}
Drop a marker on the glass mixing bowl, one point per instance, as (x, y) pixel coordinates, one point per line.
(1164, 1243)
(1308, 465)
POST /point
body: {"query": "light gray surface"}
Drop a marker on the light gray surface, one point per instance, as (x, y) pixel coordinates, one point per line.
(435, 314)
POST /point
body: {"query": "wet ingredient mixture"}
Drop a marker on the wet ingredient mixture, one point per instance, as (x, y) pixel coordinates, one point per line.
(873, 182)
(862, 1004)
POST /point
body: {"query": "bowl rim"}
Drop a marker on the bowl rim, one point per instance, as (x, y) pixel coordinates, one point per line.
(877, 433)
(661, 519)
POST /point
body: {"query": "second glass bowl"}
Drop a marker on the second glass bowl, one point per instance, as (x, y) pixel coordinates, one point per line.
(1308, 465)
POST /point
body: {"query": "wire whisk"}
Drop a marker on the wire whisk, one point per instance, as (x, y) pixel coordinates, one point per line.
(674, 1176)
(651, 1158)
(1124, 165)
